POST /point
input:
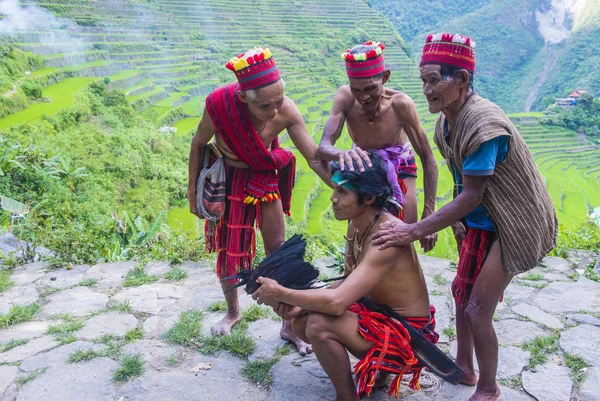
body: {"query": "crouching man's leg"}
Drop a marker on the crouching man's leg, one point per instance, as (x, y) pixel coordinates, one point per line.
(330, 337)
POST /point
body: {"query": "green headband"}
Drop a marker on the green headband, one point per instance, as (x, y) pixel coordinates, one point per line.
(341, 181)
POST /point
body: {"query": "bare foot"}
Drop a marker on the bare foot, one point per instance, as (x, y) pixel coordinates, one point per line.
(223, 328)
(469, 378)
(287, 333)
(481, 395)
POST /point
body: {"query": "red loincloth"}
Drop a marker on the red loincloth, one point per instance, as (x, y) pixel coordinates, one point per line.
(474, 250)
(391, 352)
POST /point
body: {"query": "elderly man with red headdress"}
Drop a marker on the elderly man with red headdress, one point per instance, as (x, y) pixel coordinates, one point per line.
(502, 214)
(246, 118)
(384, 119)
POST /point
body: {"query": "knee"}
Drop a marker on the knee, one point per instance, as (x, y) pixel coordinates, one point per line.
(474, 314)
(317, 326)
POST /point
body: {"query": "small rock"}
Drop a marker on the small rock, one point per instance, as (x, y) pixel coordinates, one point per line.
(515, 332)
(114, 323)
(31, 348)
(538, 315)
(590, 389)
(584, 318)
(582, 341)
(53, 278)
(78, 301)
(565, 297)
(549, 382)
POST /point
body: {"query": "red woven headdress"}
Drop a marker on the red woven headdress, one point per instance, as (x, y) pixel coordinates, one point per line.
(452, 50)
(254, 69)
(365, 65)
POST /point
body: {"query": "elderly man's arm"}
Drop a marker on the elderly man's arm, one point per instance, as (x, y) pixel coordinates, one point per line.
(397, 233)
(418, 139)
(305, 144)
(204, 133)
(342, 102)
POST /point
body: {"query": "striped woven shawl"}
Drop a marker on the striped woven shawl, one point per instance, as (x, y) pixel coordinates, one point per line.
(516, 197)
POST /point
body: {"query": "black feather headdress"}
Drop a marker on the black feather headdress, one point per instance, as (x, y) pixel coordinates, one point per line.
(286, 265)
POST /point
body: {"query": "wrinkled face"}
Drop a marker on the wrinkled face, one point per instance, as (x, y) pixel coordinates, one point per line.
(367, 91)
(267, 102)
(440, 93)
(345, 203)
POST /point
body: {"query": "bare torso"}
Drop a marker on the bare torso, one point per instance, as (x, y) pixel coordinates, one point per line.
(403, 287)
(387, 128)
(266, 131)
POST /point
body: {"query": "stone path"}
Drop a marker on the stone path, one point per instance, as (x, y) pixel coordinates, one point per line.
(107, 320)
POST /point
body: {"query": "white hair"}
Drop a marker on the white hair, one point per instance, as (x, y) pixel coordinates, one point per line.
(252, 94)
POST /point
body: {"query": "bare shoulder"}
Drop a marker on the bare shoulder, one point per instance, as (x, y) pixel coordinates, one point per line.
(290, 112)
(343, 98)
(401, 101)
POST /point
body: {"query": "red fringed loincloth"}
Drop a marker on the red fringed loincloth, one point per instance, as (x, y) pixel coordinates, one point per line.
(391, 351)
(474, 250)
(234, 237)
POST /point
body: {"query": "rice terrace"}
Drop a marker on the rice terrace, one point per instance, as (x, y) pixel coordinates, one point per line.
(100, 99)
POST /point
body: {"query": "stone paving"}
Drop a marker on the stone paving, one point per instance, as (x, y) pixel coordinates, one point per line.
(554, 300)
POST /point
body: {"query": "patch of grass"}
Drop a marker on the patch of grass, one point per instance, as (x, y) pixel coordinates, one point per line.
(19, 314)
(29, 377)
(5, 282)
(124, 307)
(255, 312)
(90, 282)
(84, 355)
(135, 334)
(450, 332)
(577, 365)
(532, 285)
(238, 343)
(589, 273)
(174, 359)
(138, 277)
(540, 347)
(219, 306)
(515, 382)
(12, 343)
(131, 366)
(534, 277)
(176, 274)
(438, 279)
(437, 293)
(63, 332)
(187, 330)
(258, 372)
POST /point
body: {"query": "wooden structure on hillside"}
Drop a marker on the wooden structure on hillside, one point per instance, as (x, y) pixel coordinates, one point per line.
(571, 100)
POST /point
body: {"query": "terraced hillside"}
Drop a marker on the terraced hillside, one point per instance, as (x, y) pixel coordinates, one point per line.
(167, 55)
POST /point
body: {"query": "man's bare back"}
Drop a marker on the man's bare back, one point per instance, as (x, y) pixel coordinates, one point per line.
(403, 286)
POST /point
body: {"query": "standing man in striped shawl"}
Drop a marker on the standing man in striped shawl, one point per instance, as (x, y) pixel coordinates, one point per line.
(246, 118)
(502, 215)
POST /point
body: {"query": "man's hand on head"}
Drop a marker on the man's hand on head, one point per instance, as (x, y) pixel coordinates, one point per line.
(394, 233)
(357, 155)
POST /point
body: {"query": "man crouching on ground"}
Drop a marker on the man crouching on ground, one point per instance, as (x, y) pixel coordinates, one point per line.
(336, 320)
